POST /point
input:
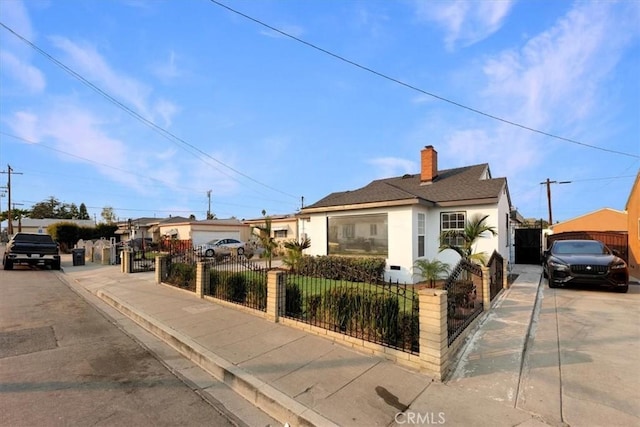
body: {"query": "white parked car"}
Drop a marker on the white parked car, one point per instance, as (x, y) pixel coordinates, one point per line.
(220, 247)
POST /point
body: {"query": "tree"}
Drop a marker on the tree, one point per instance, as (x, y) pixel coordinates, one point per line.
(474, 229)
(266, 241)
(46, 209)
(82, 212)
(432, 270)
(108, 215)
(294, 252)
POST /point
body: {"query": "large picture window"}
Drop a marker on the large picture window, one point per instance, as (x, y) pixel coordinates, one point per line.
(358, 235)
(452, 221)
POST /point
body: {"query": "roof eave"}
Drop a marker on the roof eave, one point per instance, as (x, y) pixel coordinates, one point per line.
(371, 205)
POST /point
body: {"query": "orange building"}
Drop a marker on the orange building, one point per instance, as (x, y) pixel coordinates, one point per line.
(605, 219)
(633, 227)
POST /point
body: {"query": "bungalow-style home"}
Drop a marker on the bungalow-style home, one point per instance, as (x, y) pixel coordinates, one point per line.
(200, 232)
(605, 219)
(37, 225)
(401, 218)
(144, 227)
(283, 227)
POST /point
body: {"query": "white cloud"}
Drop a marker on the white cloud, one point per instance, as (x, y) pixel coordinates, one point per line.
(392, 166)
(465, 22)
(27, 75)
(86, 61)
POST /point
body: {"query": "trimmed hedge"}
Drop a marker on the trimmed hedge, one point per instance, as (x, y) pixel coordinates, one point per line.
(342, 268)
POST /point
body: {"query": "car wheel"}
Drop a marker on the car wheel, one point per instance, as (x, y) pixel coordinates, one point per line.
(623, 289)
(8, 264)
(240, 251)
(208, 253)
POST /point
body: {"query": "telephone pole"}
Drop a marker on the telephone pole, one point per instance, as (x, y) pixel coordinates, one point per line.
(209, 210)
(9, 171)
(548, 182)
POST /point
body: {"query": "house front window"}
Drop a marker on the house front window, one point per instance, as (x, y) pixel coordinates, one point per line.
(354, 235)
(422, 220)
(452, 221)
(280, 234)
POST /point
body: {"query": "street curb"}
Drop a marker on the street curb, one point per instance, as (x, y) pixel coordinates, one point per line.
(272, 401)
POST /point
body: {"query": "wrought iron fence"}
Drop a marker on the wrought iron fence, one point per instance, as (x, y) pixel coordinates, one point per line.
(463, 302)
(496, 274)
(385, 313)
(239, 280)
(143, 259)
(181, 263)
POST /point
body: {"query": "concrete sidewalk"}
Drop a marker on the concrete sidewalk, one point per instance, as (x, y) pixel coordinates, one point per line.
(304, 379)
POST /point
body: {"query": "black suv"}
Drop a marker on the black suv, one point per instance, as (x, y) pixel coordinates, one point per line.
(588, 262)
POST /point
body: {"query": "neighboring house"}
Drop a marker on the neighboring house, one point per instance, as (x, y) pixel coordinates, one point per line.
(139, 228)
(36, 225)
(633, 227)
(605, 219)
(200, 232)
(401, 218)
(283, 227)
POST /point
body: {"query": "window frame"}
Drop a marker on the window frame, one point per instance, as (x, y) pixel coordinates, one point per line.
(458, 214)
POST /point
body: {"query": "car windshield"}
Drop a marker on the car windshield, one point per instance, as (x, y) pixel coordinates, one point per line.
(586, 247)
(212, 242)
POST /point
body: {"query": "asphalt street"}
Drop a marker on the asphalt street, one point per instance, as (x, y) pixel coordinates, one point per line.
(62, 362)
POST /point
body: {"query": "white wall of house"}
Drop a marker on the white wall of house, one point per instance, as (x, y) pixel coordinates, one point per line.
(403, 235)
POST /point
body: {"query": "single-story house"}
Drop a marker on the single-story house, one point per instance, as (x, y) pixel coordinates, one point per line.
(605, 219)
(283, 227)
(402, 218)
(200, 232)
(38, 225)
(144, 227)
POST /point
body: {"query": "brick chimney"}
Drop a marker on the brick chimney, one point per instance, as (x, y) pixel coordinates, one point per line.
(429, 164)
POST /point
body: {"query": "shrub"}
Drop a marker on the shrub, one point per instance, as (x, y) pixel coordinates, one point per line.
(257, 293)
(236, 287)
(342, 268)
(293, 300)
(182, 275)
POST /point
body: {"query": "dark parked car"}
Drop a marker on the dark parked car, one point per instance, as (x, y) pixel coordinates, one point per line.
(588, 262)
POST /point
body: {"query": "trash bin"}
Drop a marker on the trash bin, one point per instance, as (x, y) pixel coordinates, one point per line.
(78, 256)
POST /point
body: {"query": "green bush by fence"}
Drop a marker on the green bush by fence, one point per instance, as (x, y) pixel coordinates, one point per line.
(182, 275)
(342, 268)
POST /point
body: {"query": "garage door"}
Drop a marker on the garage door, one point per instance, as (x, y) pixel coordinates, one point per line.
(200, 237)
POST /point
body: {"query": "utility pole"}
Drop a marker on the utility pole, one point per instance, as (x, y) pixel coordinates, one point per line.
(548, 182)
(209, 210)
(9, 218)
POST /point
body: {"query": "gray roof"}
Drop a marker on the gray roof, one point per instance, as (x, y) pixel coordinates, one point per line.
(463, 185)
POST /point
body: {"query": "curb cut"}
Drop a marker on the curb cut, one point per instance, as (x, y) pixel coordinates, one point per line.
(270, 400)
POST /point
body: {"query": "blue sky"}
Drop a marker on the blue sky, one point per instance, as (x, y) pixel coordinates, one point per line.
(144, 106)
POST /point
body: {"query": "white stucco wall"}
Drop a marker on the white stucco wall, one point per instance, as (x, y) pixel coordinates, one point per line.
(402, 235)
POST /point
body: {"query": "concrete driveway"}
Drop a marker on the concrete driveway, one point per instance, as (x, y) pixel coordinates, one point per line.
(582, 363)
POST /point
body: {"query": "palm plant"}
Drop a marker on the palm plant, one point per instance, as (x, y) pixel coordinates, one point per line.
(432, 270)
(266, 240)
(294, 252)
(463, 241)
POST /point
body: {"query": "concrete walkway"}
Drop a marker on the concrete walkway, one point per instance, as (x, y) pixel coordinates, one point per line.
(303, 379)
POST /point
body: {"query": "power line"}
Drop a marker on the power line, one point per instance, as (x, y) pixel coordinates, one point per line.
(415, 88)
(160, 130)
